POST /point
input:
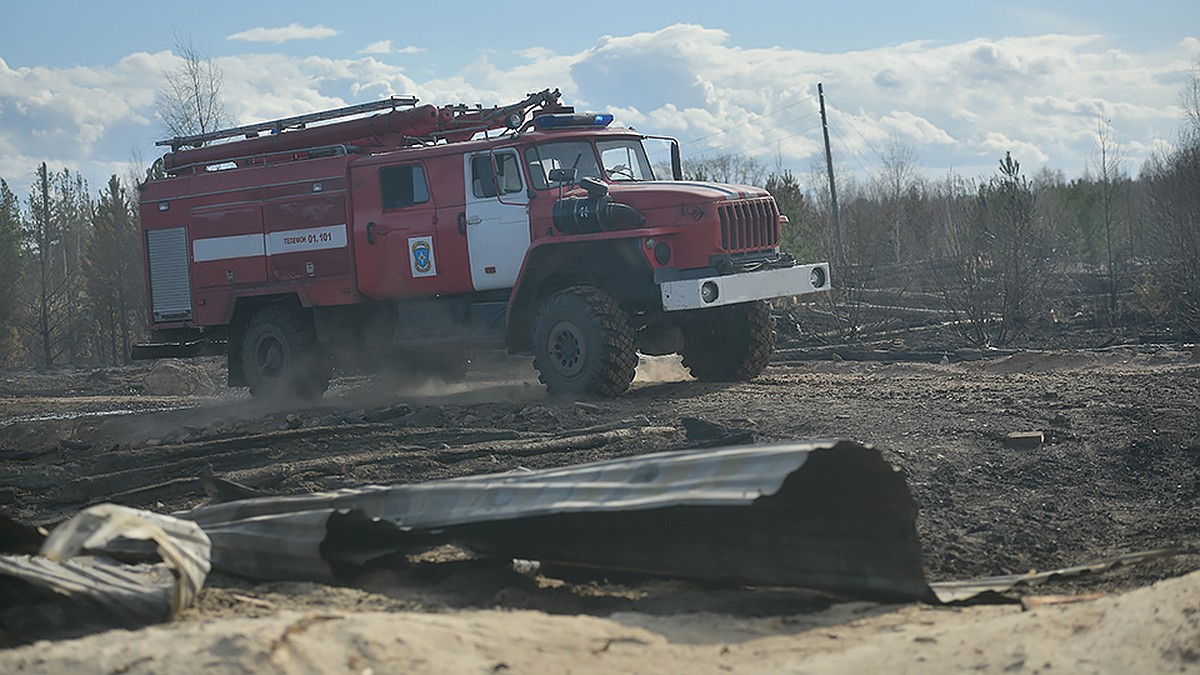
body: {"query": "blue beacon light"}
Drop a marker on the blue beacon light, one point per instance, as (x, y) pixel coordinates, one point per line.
(573, 120)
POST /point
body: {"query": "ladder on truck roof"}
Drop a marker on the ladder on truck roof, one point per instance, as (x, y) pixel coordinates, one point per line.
(285, 123)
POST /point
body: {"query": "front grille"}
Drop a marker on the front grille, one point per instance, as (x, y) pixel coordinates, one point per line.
(749, 225)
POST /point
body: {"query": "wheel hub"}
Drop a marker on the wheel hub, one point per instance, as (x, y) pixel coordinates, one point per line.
(567, 350)
(270, 357)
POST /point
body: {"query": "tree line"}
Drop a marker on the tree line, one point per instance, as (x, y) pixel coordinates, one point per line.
(1001, 255)
(71, 270)
(997, 252)
(71, 273)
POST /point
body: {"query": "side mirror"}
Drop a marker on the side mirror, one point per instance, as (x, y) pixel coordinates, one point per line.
(561, 175)
(676, 161)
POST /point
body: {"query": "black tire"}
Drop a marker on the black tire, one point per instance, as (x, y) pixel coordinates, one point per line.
(282, 357)
(729, 344)
(582, 343)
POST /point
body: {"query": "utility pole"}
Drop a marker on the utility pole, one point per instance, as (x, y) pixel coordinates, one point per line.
(833, 203)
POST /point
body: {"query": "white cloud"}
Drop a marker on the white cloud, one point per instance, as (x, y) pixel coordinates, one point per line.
(959, 105)
(385, 47)
(381, 47)
(534, 53)
(288, 33)
(998, 144)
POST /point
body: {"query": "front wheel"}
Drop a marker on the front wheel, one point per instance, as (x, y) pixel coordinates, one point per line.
(582, 343)
(729, 344)
(282, 357)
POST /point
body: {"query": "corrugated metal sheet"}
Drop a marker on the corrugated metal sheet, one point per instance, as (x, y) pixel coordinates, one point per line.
(829, 514)
(711, 477)
(826, 514)
(64, 593)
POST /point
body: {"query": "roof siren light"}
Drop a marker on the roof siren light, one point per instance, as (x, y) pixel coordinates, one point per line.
(573, 121)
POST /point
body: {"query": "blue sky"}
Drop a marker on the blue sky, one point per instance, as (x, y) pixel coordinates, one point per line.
(959, 83)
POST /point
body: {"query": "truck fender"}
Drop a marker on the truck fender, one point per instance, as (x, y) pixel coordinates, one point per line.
(554, 263)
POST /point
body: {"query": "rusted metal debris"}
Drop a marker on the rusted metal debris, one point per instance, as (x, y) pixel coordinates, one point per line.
(826, 514)
(64, 591)
(971, 590)
(829, 515)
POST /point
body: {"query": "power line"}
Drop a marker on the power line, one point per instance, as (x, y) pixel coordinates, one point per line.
(784, 138)
(860, 135)
(769, 142)
(755, 119)
(850, 151)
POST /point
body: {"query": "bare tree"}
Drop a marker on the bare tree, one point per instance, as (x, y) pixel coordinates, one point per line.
(43, 234)
(995, 278)
(1109, 161)
(192, 99)
(893, 183)
(1174, 209)
(726, 168)
(1190, 99)
(11, 266)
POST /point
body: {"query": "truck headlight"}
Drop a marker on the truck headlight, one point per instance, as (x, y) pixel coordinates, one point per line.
(817, 277)
(662, 253)
(709, 291)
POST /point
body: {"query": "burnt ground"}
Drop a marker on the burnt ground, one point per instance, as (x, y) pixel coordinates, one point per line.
(1118, 470)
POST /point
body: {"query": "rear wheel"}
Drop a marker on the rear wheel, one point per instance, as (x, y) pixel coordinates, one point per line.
(282, 357)
(582, 343)
(731, 343)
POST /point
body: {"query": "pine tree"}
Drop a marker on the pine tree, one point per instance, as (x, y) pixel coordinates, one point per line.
(10, 272)
(59, 217)
(113, 272)
(42, 237)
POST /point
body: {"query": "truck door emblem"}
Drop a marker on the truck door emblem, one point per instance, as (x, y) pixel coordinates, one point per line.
(421, 257)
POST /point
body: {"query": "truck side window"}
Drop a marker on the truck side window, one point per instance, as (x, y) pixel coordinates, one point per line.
(507, 173)
(403, 186)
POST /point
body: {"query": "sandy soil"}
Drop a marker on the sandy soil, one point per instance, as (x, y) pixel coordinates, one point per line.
(1116, 472)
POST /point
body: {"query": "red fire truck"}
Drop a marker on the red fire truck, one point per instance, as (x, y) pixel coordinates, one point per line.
(397, 236)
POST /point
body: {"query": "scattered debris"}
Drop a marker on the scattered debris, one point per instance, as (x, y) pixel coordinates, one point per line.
(1025, 439)
(1034, 601)
(429, 416)
(222, 490)
(387, 414)
(64, 593)
(973, 589)
(705, 434)
(829, 515)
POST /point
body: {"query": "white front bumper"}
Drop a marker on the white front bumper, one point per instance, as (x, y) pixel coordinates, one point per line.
(731, 289)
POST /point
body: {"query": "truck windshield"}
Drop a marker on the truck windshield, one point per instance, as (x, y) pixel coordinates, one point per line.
(625, 159)
(545, 157)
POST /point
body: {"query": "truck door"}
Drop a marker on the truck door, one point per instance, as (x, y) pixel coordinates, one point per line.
(398, 247)
(497, 218)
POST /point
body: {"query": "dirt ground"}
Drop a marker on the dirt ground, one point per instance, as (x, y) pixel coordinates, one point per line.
(1116, 471)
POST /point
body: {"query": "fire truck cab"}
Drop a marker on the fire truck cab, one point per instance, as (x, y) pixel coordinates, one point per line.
(405, 239)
